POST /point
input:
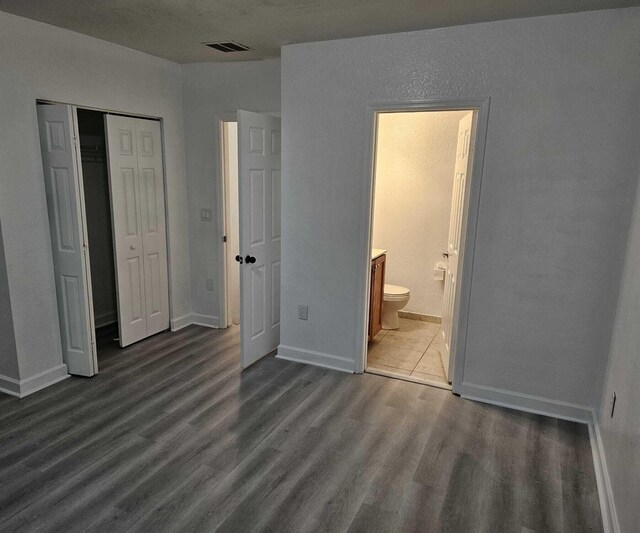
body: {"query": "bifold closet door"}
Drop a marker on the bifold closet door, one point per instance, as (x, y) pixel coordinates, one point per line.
(63, 185)
(136, 183)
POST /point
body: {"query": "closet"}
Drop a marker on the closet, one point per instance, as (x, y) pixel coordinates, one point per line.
(95, 177)
(104, 182)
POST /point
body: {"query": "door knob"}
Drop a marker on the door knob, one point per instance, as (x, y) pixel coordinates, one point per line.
(133, 246)
(239, 259)
(445, 254)
(249, 259)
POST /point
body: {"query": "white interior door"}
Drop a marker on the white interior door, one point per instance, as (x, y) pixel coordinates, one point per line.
(259, 198)
(65, 203)
(455, 234)
(136, 184)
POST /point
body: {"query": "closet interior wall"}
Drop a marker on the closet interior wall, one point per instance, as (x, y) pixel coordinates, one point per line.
(98, 215)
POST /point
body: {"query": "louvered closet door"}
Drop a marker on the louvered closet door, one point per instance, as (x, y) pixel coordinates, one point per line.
(137, 210)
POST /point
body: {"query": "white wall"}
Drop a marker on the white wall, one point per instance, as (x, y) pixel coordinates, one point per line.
(8, 356)
(210, 89)
(415, 163)
(559, 175)
(621, 434)
(41, 61)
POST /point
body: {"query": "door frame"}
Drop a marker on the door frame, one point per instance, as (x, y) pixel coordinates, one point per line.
(84, 228)
(221, 193)
(479, 106)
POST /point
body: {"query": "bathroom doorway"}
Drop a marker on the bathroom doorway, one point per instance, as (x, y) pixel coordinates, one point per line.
(421, 195)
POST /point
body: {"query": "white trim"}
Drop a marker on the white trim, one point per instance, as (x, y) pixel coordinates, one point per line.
(208, 321)
(105, 319)
(310, 357)
(605, 491)
(24, 387)
(412, 379)
(221, 196)
(181, 322)
(565, 411)
(526, 402)
(9, 386)
(480, 107)
(422, 317)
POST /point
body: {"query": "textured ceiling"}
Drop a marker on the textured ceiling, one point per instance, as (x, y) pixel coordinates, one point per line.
(175, 29)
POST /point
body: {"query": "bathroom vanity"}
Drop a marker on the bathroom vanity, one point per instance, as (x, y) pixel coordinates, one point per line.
(376, 293)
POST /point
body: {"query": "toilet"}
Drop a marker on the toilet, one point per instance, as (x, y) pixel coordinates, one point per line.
(395, 298)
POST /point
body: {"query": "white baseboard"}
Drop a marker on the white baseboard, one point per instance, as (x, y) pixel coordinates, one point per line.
(24, 387)
(566, 411)
(526, 402)
(9, 385)
(422, 317)
(105, 319)
(180, 322)
(324, 360)
(605, 490)
(208, 321)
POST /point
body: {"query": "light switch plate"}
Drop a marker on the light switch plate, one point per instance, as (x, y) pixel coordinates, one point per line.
(209, 284)
(303, 312)
(205, 214)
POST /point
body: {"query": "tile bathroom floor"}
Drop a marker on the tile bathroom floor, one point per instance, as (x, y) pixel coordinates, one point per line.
(412, 350)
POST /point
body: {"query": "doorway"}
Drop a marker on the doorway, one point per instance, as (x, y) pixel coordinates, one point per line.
(95, 179)
(104, 181)
(229, 151)
(423, 204)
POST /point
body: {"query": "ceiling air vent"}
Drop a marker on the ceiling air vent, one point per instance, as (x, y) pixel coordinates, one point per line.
(228, 46)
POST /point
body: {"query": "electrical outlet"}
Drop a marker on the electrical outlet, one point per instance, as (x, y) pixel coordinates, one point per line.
(209, 284)
(205, 215)
(613, 403)
(303, 312)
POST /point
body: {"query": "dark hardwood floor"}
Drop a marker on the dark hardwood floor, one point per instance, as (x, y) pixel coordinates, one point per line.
(170, 436)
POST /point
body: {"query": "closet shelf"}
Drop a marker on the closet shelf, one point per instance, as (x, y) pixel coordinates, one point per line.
(92, 153)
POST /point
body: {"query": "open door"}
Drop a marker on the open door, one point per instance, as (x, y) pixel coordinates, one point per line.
(136, 184)
(259, 199)
(455, 233)
(65, 203)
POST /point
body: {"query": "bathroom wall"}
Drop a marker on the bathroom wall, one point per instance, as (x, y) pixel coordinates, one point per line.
(415, 160)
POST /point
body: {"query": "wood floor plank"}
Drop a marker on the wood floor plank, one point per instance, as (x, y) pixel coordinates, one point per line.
(172, 436)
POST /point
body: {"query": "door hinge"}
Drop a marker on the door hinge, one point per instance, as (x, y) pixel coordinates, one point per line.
(75, 141)
(224, 238)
